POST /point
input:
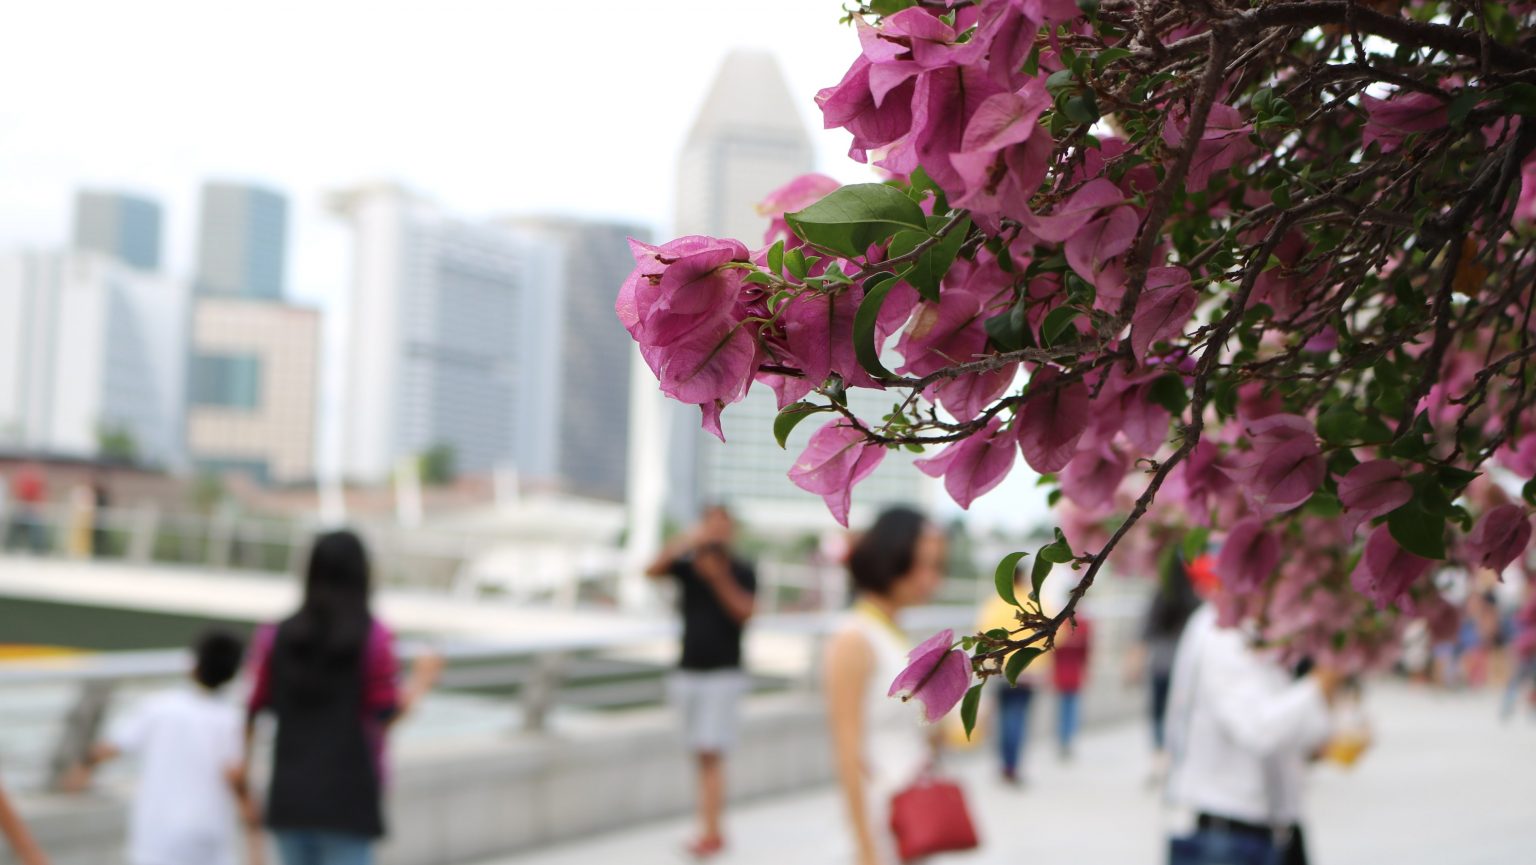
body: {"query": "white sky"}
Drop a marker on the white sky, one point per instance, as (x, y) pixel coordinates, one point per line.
(488, 107)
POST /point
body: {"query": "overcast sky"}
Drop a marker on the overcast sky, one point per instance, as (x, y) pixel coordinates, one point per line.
(487, 107)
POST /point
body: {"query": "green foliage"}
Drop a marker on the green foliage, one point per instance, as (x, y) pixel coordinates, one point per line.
(854, 218)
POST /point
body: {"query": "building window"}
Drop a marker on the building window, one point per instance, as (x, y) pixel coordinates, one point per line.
(226, 380)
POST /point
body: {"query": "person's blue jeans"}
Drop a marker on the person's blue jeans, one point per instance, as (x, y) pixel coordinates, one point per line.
(1066, 721)
(1012, 724)
(1221, 847)
(1161, 684)
(313, 847)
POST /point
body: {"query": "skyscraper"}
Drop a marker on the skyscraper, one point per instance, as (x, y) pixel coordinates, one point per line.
(440, 332)
(243, 242)
(747, 141)
(124, 226)
(92, 350)
(577, 418)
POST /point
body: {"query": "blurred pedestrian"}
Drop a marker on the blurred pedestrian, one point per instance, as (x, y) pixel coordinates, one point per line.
(1524, 647)
(191, 793)
(327, 674)
(1169, 610)
(17, 835)
(1069, 672)
(878, 746)
(29, 498)
(101, 505)
(716, 598)
(1013, 701)
(1241, 731)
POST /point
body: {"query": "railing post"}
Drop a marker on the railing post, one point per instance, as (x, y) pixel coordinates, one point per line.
(141, 538)
(541, 689)
(82, 727)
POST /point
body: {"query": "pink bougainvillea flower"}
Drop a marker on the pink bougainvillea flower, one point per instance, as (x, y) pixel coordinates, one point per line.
(1369, 490)
(1051, 421)
(1070, 216)
(1090, 250)
(1499, 538)
(1224, 143)
(709, 365)
(967, 396)
(798, 194)
(936, 677)
(973, 465)
(1389, 121)
(1163, 310)
(1094, 475)
(1248, 556)
(837, 457)
(1283, 468)
(851, 105)
(1386, 571)
(816, 328)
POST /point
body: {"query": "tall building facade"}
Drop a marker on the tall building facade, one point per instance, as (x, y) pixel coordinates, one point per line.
(117, 224)
(576, 403)
(242, 242)
(91, 351)
(747, 141)
(251, 390)
(439, 337)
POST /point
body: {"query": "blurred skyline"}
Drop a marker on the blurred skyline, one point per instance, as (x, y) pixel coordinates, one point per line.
(480, 106)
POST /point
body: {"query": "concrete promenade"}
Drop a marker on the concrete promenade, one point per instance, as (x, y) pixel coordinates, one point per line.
(1446, 784)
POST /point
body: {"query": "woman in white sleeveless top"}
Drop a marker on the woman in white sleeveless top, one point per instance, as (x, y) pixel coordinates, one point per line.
(878, 742)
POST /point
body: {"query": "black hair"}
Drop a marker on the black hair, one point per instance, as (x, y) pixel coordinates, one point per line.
(886, 551)
(1175, 600)
(218, 658)
(331, 628)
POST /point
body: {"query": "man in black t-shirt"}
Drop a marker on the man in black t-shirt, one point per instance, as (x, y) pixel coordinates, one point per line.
(715, 596)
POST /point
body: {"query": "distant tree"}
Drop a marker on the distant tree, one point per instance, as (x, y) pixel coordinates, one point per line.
(116, 442)
(438, 465)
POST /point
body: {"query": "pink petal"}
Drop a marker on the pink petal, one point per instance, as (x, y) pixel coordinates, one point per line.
(1369, 490)
(1500, 537)
(1248, 556)
(974, 465)
(1101, 240)
(1386, 571)
(1051, 422)
(1287, 476)
(1071, 215)
(1092, 478)
(1005, 119)
(837, 457)
(1166, 303)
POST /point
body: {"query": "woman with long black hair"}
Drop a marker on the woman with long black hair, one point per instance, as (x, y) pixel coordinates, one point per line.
(328, 675)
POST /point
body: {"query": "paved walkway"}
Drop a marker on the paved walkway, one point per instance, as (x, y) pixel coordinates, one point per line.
(1446, 783)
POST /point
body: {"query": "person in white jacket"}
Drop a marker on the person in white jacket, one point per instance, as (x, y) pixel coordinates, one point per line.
(1242, 729)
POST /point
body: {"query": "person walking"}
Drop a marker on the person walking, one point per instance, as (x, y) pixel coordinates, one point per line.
(716, 598)
(1069, 672)
(1172, 603)
(15, 832)
(878, 746)
(327, 674)
(191, 792)
(1013, 701)
(1523, 680)
(1242, 729)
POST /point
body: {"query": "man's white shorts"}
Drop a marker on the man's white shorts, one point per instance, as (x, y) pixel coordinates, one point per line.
(710, 703)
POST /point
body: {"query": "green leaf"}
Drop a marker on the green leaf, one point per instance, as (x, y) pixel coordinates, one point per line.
(1108, 56)
(1019, 661)
(1418, 531)
(1454, 477)
(790, 417)
(997, 635)
(758, 277)
(1518, 98)
(794, 260)
(1462, 105)
(853, 218)
(968, 707)
(1168, 391)
(1528, 492)
(1340, 424)
(1323, 504)
(929, 269)
(890, 7)
(1082, 108)
(1037, 575)
(1058, 551)
(864, 319)
(1060, 81)
(1003, 577)
(1056, 321)
(776, 258)
(1009, 331)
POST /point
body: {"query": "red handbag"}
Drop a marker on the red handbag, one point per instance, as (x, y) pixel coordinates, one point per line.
(931, 817)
